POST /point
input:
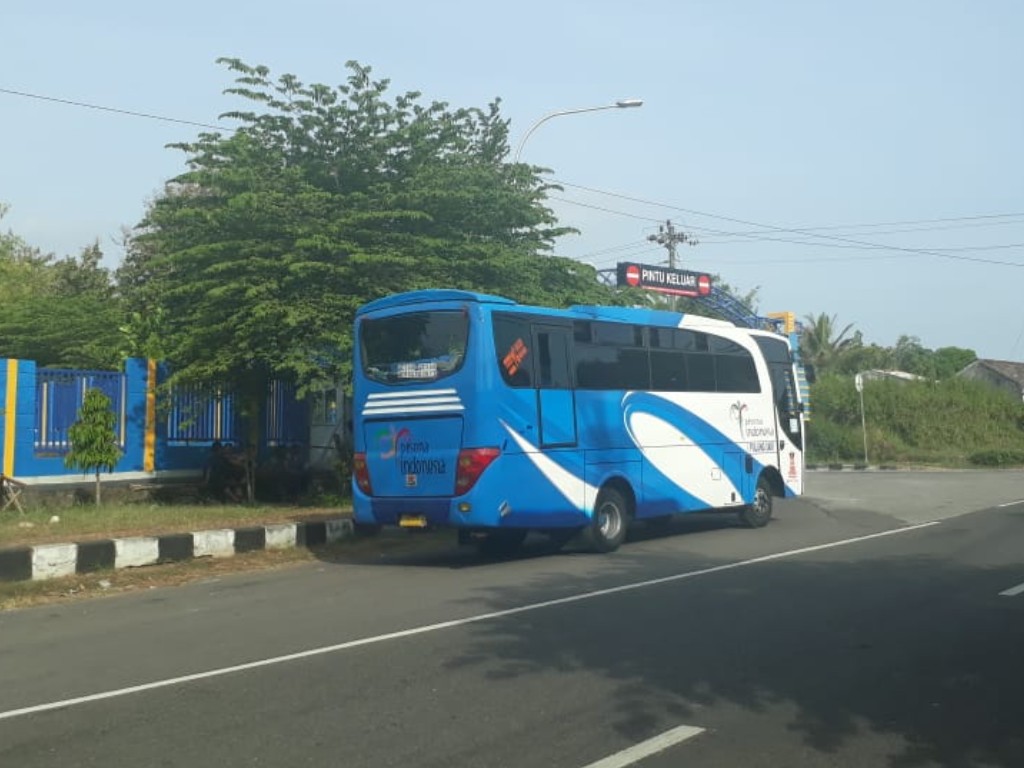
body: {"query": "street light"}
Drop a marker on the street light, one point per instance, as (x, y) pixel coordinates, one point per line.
(858, 383)
(620, 104)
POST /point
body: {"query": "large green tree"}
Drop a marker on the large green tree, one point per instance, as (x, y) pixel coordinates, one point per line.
(58, 312)
(254, 260)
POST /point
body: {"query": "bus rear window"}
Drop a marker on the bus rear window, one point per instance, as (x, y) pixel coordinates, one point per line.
(415, 347)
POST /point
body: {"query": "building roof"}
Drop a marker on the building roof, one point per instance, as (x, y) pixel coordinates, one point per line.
(1012, 371)
(876, 374)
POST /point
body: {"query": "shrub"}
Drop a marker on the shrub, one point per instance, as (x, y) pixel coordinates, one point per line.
(828, 442)
(999, 457)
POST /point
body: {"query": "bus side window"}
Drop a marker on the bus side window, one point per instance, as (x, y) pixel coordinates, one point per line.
(512, 347)
(700, 372)
(553, 359)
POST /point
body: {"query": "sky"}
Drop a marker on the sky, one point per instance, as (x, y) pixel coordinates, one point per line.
(865, 160)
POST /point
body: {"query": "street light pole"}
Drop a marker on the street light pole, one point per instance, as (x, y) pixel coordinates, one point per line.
(621, 104)
(858, 383)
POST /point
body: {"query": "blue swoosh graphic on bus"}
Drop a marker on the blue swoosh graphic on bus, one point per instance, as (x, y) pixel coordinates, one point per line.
(697, 429)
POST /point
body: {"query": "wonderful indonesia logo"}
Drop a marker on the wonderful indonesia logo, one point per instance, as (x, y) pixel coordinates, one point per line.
(410, 453)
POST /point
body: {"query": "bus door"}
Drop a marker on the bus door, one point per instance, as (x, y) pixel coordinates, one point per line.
(791, 436)
(556, 400)
(788, 413)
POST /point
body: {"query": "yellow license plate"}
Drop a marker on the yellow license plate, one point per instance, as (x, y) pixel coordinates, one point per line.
(412, 521)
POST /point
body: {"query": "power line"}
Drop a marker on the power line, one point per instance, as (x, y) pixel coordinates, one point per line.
(787, 230)
(986, 220)
(857, 246)
(636, 244)
(762, 227)
(603, 209)
(101, 108)
(758, 236)
(753, 234)
(810, 231)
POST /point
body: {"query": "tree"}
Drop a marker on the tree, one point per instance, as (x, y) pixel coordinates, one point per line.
(908, 355)
(93, 439)
(821, 345)
(949, 361)
(863, 357)
(255, 259)
(57, 312)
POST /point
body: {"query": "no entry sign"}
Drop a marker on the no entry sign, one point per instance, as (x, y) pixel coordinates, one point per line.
(678, 282)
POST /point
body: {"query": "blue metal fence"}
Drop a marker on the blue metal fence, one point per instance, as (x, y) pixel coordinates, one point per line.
(59, 396)
(287, 418)
(200, 416)
(195, 416)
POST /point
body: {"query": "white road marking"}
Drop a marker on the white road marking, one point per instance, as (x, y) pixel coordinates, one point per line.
(1011, 503)
(323, 650)
(1013, 591)
(647, 748)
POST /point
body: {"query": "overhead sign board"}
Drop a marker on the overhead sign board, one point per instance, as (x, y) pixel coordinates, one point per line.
(677, 282)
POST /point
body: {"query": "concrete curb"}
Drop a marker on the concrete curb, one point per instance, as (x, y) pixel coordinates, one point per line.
(51, 561)
(851, 468)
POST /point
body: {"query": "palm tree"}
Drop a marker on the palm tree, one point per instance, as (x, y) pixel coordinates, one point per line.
(820, 345)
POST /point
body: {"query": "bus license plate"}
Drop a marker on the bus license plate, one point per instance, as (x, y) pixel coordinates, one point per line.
(412, 521)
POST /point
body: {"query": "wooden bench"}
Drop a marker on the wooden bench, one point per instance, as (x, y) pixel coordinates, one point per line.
(10, 491)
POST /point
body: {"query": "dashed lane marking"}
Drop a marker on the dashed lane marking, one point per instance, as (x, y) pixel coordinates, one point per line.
(647, 748)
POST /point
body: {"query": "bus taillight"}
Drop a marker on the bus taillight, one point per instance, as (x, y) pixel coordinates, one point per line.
(362, 473)
(472, 463)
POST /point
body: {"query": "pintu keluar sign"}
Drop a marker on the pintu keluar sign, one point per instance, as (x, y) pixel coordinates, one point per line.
(677, 282)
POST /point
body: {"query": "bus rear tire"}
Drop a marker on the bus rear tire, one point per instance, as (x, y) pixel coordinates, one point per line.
(607, 529)
(758, 513)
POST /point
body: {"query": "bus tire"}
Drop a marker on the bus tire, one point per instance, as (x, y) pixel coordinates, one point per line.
(607, 529)
(758, 513)
(502, 543)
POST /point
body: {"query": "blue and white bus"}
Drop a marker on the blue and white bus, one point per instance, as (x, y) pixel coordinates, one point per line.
(496, 418)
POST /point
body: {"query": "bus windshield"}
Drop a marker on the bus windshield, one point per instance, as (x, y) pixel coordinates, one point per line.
(414, 347)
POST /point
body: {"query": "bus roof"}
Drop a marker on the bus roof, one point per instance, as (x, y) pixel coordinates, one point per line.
(643, 315)
(646, 316)
(429, 296)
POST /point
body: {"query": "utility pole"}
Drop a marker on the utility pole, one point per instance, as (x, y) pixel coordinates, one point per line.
(669, 238)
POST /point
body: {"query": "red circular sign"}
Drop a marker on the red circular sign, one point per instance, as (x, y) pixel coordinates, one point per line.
(704, 285)
(633, 274)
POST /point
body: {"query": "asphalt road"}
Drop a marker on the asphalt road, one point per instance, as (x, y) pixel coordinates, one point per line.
(875, 622)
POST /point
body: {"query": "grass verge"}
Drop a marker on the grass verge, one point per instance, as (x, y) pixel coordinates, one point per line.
(51, 525)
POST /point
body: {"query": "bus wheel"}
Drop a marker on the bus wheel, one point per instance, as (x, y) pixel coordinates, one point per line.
(502, 543)
(757, 514)
(607, 528)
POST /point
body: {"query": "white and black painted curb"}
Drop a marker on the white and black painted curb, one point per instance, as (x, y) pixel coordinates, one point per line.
(51, 561)
(851, 468)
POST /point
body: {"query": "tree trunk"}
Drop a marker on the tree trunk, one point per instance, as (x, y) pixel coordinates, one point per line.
(254, 406)
(97, 487)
